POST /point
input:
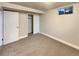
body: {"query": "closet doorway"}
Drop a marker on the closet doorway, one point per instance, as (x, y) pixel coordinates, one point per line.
(30, 25)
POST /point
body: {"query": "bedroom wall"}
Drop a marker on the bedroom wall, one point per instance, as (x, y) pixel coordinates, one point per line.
(63, 27)
(36, 23)
(23, 25)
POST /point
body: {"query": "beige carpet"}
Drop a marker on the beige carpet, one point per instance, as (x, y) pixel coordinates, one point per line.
(37, 45)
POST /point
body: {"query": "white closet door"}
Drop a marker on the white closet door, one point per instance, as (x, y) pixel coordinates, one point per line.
(11, 24)
(0, 28)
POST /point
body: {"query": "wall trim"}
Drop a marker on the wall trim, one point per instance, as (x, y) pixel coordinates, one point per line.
(62, 41)
(23, 37)
(16, 40)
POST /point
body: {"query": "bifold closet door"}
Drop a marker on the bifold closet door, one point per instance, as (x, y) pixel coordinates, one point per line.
(11, 24)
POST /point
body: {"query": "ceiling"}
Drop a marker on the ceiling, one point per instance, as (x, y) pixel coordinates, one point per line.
(43, 6)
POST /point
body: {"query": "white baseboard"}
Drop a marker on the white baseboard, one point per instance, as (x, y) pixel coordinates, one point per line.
(62, 41)
(15, 40)
(23, 37)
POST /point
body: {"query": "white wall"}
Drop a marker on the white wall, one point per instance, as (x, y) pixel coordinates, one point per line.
(36, 26)
(64, 27)
(23, 25)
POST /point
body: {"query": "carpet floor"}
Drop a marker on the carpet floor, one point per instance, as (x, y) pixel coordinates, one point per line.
(37, 45)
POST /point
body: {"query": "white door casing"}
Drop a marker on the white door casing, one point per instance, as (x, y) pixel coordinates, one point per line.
(0, 27)
(11, 26)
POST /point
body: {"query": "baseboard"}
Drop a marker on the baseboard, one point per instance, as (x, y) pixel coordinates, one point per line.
(23, 37)
(62, 41)
(16, 40)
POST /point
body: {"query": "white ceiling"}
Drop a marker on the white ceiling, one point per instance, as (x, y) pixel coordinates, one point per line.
(44, 6)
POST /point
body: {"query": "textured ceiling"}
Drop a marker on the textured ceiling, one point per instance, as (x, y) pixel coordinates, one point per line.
(44, 6)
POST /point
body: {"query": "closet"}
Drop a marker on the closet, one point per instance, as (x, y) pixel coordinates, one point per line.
(14, 25)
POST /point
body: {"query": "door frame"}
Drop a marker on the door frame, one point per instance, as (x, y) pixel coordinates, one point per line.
(31, 23)
(1, 10)
(35, 20)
